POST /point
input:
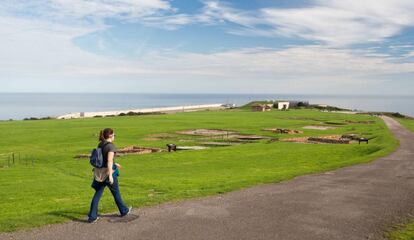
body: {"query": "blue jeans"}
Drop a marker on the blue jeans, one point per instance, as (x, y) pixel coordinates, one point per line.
(99, 188)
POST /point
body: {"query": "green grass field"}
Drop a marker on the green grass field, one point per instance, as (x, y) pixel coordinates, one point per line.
(407, 122)
(57, 187)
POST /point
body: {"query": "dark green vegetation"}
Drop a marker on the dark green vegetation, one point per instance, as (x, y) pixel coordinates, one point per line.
(57, 187)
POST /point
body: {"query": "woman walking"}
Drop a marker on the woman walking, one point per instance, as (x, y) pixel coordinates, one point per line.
(107, 176)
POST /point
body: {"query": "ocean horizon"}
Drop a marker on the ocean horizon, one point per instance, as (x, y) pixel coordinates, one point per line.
(18, 106)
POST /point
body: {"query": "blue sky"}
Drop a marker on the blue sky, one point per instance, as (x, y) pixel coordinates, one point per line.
(208, 46)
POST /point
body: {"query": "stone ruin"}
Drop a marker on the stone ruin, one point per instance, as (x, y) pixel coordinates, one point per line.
(137, 150)
(130, 150)
(351, 136)
(222, 134)
(207, 132)
(331, 139)
(283, 130)
(318, 127)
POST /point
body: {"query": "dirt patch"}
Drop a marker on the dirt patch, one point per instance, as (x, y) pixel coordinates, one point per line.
(137, 150)
(318, 127)
(160, 136)
(191, 148)
(283, 131)
(297, 140)
(131, 150)
(219, 144)
(331, 139)
(207, 132)
(231, 136)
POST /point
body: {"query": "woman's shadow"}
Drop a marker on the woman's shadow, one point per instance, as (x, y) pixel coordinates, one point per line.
(75, 216)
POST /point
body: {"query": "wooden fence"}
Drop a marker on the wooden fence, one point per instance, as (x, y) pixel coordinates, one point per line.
(8, 160)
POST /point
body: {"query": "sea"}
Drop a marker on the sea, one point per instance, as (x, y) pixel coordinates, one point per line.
(18, 106)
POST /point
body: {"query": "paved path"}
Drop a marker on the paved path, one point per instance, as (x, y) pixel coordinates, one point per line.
(356, 202)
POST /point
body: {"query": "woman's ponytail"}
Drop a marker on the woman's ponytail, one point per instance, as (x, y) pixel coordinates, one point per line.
(101, 136)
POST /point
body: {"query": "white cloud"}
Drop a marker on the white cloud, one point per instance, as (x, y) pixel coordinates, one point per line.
(300, 62)
(334, 22)
(410, 54)
(401, 47)
(38, 51)
(87, 14)
(342, 23)
(42, 51)
(169, 22)
(215, 11)
(93, 13)
(80, 9)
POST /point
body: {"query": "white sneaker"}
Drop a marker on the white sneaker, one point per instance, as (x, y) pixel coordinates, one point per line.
(94, 221)
(129, 211)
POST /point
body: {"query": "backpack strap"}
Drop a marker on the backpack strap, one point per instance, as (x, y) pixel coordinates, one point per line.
(105, 145)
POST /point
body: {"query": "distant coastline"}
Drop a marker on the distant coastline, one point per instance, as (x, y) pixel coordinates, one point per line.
(18, 106)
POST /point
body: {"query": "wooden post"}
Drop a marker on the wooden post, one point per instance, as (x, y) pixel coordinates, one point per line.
(13, 157)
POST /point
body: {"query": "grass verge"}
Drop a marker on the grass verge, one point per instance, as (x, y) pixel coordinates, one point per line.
(407, 122)
(402, 232)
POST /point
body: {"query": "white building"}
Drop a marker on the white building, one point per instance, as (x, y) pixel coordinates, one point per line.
(283, 105)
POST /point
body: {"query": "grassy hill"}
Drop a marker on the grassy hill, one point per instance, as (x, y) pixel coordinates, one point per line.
(56, 187)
